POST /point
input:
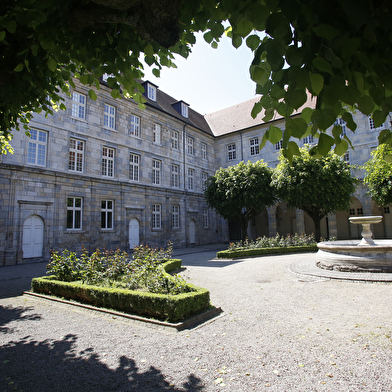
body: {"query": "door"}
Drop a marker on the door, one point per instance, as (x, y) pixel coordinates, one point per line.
(33, 237)
(133, 233)
(192, 232)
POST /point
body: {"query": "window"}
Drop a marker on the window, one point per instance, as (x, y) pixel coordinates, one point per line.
(175, 176)
(108, 162)
(205, 218)
(174, 140)
(36, 154)
(109, 116)
(157, 134)
(190, 145)
(74, 213)
(372, 125)
(107, 208)
(346, 157)
(308, 139)
(254, 146)
(156, 216)
(204, 151)
(184, 109)
(340, 122)
(279, 145)
(156, 172)
(232, 151)
(151, 92)
(76, 154)
(176, 217)
(191, 179)
(134, 161)
(352, 211)
(359, 211)
(387, 210)
(78, 105)
(135, 126)
(204, 178)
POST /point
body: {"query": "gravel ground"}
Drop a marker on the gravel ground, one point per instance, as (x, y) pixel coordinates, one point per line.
(278, 332)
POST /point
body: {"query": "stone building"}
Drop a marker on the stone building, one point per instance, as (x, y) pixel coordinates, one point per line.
(107, 174)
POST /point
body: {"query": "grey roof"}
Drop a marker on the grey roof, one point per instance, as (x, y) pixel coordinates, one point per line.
(238, 117)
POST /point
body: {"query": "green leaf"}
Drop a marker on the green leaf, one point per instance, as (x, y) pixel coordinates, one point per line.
(348, 118)
(294, 56)
(244, 27)
(214, 45)
(322, 65)
(366, 104)
(297, 126)
(52, 64)
(325, 143)
(326, 31)
(307, 114)
(156, 72)
(275, 134)
(317, 83)
(2, 35)
(236, 41)
(92, 95)
(19, 67)
(293, 148)
(257, 108)
(341, 147)
(260, 73)
(253, 41)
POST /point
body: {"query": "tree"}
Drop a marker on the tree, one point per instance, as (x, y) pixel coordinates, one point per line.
(338, 51)
(318, 186)
(240, 192)
(378, 175)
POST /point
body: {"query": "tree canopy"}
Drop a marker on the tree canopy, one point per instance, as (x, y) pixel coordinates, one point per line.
(318, 186)
(339, 51)
(378, 175)
(240, 192)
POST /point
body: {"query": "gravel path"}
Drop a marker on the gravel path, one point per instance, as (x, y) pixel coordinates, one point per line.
(278, 332)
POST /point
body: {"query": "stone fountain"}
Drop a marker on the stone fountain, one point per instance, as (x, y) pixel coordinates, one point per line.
(366, 255)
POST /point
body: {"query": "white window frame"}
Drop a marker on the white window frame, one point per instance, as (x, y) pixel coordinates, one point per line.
(156, 134)
(191, 179)
(343, 124)
(135, 126)
(107, 214)
(308, 139)
(78, 109)
(174, 140)
(74, 213)
(232, 151)
(76, 155)
(156, 216)
(175, 175)
(109, 116)
(190, 143)
(108, 162)
(204, 151)
(205, 218)
(279, 145)
(254, 146)
(151, 92)
(175, 216)
(156, 171)
(37, 147)
(184, 110)
(204, 178)
(134, 167)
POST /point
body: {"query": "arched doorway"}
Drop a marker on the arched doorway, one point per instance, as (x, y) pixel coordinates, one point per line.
(134, 239)
(33, 237)
(286, 222)
(192, 232)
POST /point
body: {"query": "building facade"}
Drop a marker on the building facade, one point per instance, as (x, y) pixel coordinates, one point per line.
(106, 174)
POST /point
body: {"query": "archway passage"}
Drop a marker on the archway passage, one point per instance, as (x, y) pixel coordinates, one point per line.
(134, 238)
(33, 237)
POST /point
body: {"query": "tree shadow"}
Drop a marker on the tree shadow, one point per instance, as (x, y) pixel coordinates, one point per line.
(10, 313)
(55, 365)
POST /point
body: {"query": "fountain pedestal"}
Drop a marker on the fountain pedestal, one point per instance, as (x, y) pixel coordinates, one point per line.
(366, 255)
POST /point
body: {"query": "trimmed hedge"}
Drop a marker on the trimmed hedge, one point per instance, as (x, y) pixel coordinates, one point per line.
(234, 254)
(172, 308)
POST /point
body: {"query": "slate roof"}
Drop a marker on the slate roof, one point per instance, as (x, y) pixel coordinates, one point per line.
(238, 117)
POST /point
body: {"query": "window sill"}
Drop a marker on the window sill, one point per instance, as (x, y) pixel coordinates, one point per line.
(75, 231)
(110, 129)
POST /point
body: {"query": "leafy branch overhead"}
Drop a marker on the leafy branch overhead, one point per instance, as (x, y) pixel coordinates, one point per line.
(338, 51)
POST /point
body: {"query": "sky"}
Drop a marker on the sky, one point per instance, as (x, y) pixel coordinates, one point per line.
(209, 79)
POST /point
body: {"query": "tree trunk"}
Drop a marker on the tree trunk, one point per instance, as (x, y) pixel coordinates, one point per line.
(244, 228)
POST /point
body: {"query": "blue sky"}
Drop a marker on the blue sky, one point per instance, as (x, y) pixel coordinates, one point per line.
(209, 79)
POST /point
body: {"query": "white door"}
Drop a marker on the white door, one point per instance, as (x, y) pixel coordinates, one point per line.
(33, 237)
(133, 233)
(192, 235)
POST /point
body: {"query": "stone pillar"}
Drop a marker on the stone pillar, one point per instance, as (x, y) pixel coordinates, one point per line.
(272, 221)
(300, 221)
(332, 226)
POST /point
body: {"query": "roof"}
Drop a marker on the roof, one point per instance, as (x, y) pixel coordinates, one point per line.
(238, 117)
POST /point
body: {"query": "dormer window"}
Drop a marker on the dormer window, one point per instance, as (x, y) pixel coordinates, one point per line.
(150, 90)
(184, 109)
(181, 107)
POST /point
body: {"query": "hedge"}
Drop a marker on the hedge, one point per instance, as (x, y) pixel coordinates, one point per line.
(234, 254)
(172, 308)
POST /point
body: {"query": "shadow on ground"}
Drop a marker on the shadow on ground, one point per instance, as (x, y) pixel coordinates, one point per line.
(55, 365)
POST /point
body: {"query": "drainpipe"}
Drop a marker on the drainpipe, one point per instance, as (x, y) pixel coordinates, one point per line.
(185, 195)
(242, 147)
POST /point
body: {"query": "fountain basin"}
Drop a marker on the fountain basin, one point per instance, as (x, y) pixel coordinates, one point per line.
(352, 256)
